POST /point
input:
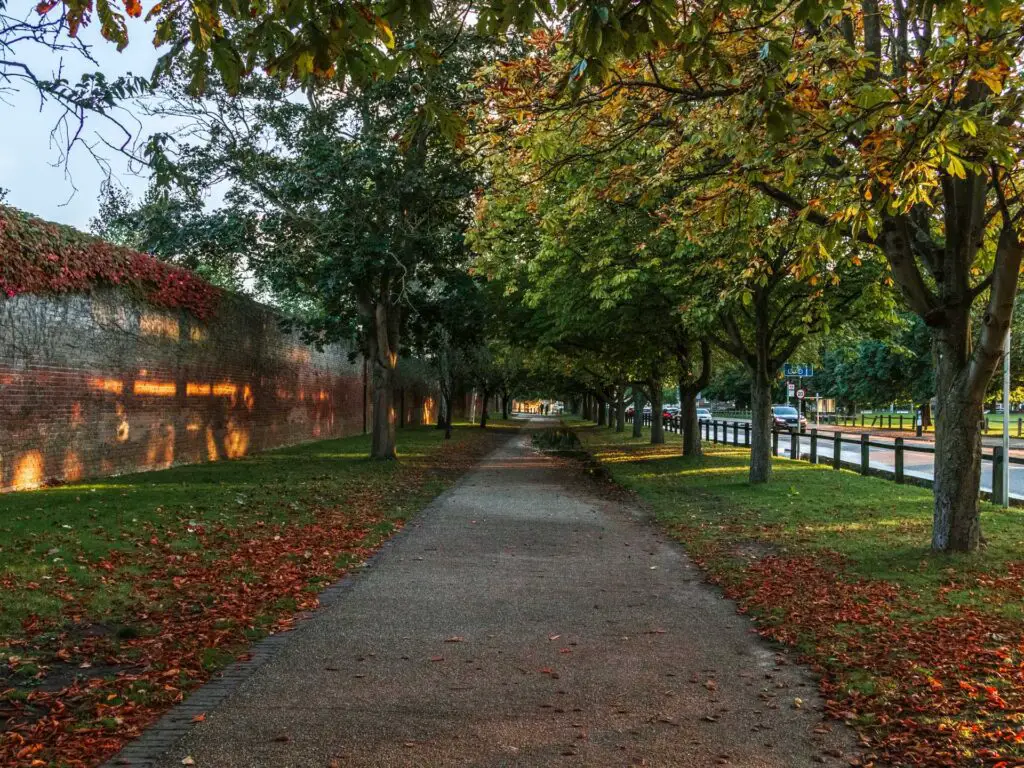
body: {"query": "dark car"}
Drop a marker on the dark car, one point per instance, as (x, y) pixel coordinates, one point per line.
(787, 417)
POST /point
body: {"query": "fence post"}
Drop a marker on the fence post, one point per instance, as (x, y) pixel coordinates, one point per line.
(865, 453)
(901, 422)
(794, 445)
(861, 420)
(775, 442)
(997, 474)
(814, 446)
(898, 458)
(1019, 423)
(735, 433)
(746, 433)
(837, 450)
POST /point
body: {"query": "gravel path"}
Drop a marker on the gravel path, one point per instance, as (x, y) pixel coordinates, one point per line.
(522, 620)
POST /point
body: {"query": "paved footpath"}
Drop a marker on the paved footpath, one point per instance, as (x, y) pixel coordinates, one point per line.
(522, 620)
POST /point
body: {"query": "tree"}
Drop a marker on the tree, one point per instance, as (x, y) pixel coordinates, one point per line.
(774, 296)
(895, 127)
(355, 202)
(44, 36)
(916, 131)
(178, 229)
(730, 382)
(880, 371)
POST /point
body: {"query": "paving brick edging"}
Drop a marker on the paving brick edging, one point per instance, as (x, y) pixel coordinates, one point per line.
(156, 741)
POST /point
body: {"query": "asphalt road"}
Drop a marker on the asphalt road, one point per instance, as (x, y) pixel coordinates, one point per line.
(915, 464)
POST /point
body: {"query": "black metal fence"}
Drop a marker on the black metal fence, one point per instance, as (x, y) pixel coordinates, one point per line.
(901, 422)
(805, 445)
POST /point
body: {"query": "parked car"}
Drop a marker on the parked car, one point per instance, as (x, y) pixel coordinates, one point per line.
(703, 415)
(670, 412)
(630, 411)
(787, 417)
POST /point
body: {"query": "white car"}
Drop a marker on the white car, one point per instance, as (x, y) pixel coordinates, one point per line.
(703, 415)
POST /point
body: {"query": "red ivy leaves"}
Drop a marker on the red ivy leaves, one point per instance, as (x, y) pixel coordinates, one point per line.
(40, 257)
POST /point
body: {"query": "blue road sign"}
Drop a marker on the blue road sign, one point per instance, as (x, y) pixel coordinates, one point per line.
(801, 369)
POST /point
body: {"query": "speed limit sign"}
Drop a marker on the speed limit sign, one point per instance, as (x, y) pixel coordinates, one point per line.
(799, 394)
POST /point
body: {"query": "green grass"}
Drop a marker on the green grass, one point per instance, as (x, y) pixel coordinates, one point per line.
(883, 529)
(146, 584)
(913, 645)
(67, 530)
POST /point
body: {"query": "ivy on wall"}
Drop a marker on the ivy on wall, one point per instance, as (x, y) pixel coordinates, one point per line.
(38, 256)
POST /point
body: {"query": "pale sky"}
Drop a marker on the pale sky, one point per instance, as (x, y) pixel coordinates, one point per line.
(29, 169)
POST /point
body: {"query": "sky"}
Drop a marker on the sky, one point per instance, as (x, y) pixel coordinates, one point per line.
(30, 167)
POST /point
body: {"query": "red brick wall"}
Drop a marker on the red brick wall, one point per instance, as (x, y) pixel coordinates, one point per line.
(100, 385)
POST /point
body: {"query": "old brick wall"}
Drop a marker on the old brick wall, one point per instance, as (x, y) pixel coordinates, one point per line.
(101, 384)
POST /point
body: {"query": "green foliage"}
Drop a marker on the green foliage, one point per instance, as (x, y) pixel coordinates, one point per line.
(879, 372)
(178, 229)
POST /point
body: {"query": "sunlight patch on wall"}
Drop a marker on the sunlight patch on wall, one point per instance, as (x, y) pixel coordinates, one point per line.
(28, 470)
(73, 469)
(123, 429)
(113, 386)
(195, 389)
(236, 441)
(211, 445)
(160, 450)
(153, 324)
(155, 388)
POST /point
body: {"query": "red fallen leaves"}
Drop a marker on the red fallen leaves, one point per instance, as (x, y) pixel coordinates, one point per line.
(942, 690)
(193, 603)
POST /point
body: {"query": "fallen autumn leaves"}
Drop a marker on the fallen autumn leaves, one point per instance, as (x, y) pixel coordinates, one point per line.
(923, 654)
(194, 585)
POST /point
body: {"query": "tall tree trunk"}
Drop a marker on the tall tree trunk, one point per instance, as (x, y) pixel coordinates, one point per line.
(602, 411)
(760, 424)
(620, 409)
(957, 522)
(383, 343)
(444, 416)
(484, 415)
(506, 402)
(926, 414)
(688, 417)
(689, 387)
(638, 412)
(657, 428)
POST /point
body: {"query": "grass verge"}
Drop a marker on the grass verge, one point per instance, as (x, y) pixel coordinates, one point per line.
(118, 597)
(924, 654)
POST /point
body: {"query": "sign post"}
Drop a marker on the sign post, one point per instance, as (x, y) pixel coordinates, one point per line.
(1005, 500)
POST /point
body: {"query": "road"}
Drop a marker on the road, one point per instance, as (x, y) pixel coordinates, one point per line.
(915, 464)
